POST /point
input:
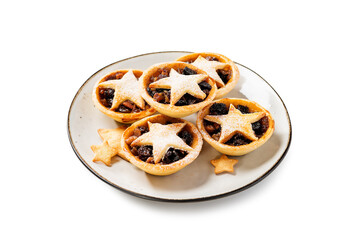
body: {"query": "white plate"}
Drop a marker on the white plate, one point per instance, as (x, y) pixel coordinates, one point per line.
(196, 181)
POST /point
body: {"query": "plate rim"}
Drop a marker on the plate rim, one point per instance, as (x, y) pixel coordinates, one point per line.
(148, 197)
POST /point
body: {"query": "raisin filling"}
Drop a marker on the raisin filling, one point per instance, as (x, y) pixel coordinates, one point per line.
(162, 95)
(237, 140)
(243, 109)
(114, 76)
(130, 107)
(261, 126)
(225, 74)
(145, 153)
(214, 129)
(107, 95)
(210, 58)
(218, 109)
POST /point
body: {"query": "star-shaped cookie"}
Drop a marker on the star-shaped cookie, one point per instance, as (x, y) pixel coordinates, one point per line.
(126, 88)
(236, 122)
(180, 85)
(224, 164)
(210, 68)
(162, 137)
(113, 138)
(103, 153)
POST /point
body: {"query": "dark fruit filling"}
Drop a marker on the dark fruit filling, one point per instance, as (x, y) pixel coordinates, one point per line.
(218, 109)
(224, 74)
(188, 71)
(187, 99)
(210, 58)
(260, 126)
(186, 137)
(243, 109)
(237, 140)
(214, 129)
(205, 87)
(130, 107)
(145, 153)
(162, 95)
(173, 155)
(114, 76)
(140, 131)
(106, 96)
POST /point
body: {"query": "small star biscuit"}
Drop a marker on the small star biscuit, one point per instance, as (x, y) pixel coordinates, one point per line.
(224, 164)
(103, 153)
(111, 145)
(113, 137)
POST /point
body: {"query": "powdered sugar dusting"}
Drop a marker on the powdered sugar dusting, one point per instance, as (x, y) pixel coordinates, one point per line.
(126, 88)
(162, 137)
(235, 121)
(210, 68)
(180, 85)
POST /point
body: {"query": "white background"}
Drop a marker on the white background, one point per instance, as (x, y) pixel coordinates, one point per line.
(308, 51)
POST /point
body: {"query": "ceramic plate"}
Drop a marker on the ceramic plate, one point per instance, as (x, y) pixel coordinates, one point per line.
(197, 181)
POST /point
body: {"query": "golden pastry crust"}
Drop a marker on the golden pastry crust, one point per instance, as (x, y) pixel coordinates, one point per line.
(162, 169)
(229, 149)
(170, 109)
(222, 90)
(118, 116)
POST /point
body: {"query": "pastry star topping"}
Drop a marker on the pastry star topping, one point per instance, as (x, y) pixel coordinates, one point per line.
(162, 137)
(210, 68)
(180, 85)
(103, 153)
(236, 122)
(126, 88)
(224, 164)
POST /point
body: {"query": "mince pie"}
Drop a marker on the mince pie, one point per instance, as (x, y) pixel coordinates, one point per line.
(117, 95)
(220, 68)
(235, 126)
(161, 145)
(177, 89)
